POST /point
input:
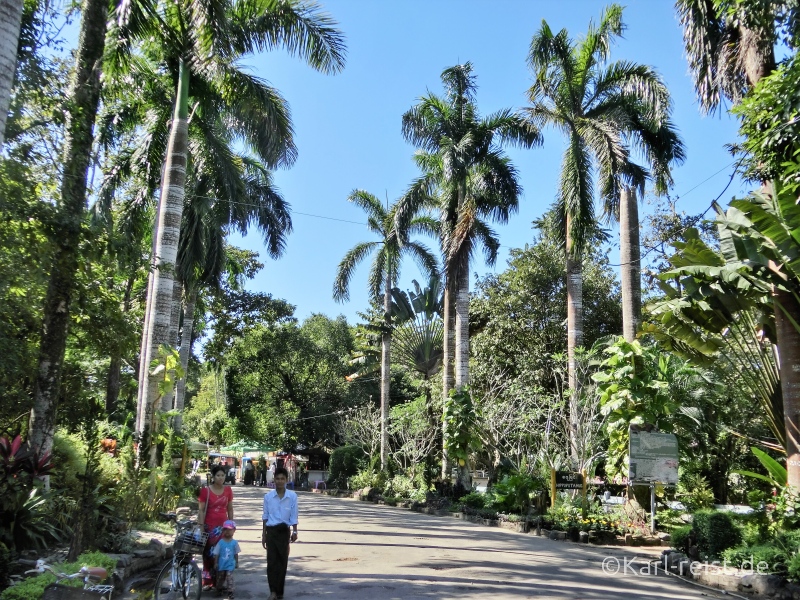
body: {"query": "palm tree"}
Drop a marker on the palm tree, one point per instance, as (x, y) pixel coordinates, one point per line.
(601, 108)
(83, 99)
(419, 337)
(388, 253)
(10, 23)
(200, 46)
(468, 179)
(203, 256)
(728, 51)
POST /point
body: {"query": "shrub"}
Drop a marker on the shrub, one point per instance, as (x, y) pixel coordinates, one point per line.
(345, 462)
(680, 538)
(694, 491)
(404, 487)
(716, 531)
(368, 478)
(793, 567)
(748, 557)
(474, 500)
(514, 492)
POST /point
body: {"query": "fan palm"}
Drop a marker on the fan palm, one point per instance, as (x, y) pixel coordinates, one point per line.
(468, 179)
(200, 45)
(388, 252)
(602, 109)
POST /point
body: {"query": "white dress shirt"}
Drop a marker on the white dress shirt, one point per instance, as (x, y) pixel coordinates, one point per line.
(280, 510)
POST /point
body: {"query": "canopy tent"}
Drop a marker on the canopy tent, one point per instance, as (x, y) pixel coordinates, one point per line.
(243, 446)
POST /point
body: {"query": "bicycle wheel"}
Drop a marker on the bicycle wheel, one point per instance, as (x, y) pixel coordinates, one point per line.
(191, 581)
(179, 581)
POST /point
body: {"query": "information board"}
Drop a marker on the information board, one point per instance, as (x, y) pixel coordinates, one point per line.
(653, 457)
(569, 481)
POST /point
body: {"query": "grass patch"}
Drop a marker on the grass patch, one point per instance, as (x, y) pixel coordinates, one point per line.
(156, 527)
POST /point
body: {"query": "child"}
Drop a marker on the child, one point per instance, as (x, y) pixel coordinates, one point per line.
(226, 559)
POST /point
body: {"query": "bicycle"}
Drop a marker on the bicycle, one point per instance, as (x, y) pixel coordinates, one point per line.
(92, 588)
(181, 577)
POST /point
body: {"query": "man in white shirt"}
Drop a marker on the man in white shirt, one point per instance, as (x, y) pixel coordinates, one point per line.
(280, 524)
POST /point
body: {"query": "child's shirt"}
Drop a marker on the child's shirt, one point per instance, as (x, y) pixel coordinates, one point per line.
(226, 551)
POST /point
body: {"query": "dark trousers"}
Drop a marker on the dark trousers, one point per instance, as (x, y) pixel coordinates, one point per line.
(277, 557)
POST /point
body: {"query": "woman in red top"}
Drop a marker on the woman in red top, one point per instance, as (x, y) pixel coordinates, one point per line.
(216, 507)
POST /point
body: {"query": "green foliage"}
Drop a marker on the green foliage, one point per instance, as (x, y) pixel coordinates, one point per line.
(33, 587)
(793, 567)
(669, 519)
(24, 517)
(749, 557)
(776, 472)
(367, 478)
(281, 372)
(641, 384)
(403, 486)
(693, 491)
(716, 531)
(680, 536)
(345, 462)
(475, 500)
(514, 492)
(459, 426)
(769, 117)
(533, 290)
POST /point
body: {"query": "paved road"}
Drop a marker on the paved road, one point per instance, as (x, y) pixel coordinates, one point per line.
(355, 550)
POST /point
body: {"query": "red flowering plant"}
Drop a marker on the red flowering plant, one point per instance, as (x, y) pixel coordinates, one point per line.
(22, 470)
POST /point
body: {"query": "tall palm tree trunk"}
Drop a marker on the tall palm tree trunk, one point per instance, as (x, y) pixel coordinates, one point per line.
(166, 252)
(786, 310)
(174, 325)
(10, 21)
(630, 264)
(462, 350)
(574, 339)
(83, 100)
(386, 351)
(462, 328)
(448, 363)
(185, 352)
(148, 310)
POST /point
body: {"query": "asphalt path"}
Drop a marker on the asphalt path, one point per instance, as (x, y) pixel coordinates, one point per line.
(358, 550)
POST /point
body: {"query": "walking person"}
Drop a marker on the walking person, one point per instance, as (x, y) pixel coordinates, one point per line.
(226, 560)
(216, 507)
(280, 528)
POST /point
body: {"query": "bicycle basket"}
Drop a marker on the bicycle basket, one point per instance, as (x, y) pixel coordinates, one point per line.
(56, 591)
(190, 541)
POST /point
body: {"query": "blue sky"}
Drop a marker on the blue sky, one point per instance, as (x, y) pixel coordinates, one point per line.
(348, 125)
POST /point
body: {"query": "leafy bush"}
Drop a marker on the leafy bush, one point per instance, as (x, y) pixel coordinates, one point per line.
(368, 478)
(754, 527)
(474, 500)
(33, 587)
(344, 463)
(680, 538)
(669, 519)
(793, 567)
(514, 492)
(716, 532)
(404, 487)
(694, 491)
(748, 557)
